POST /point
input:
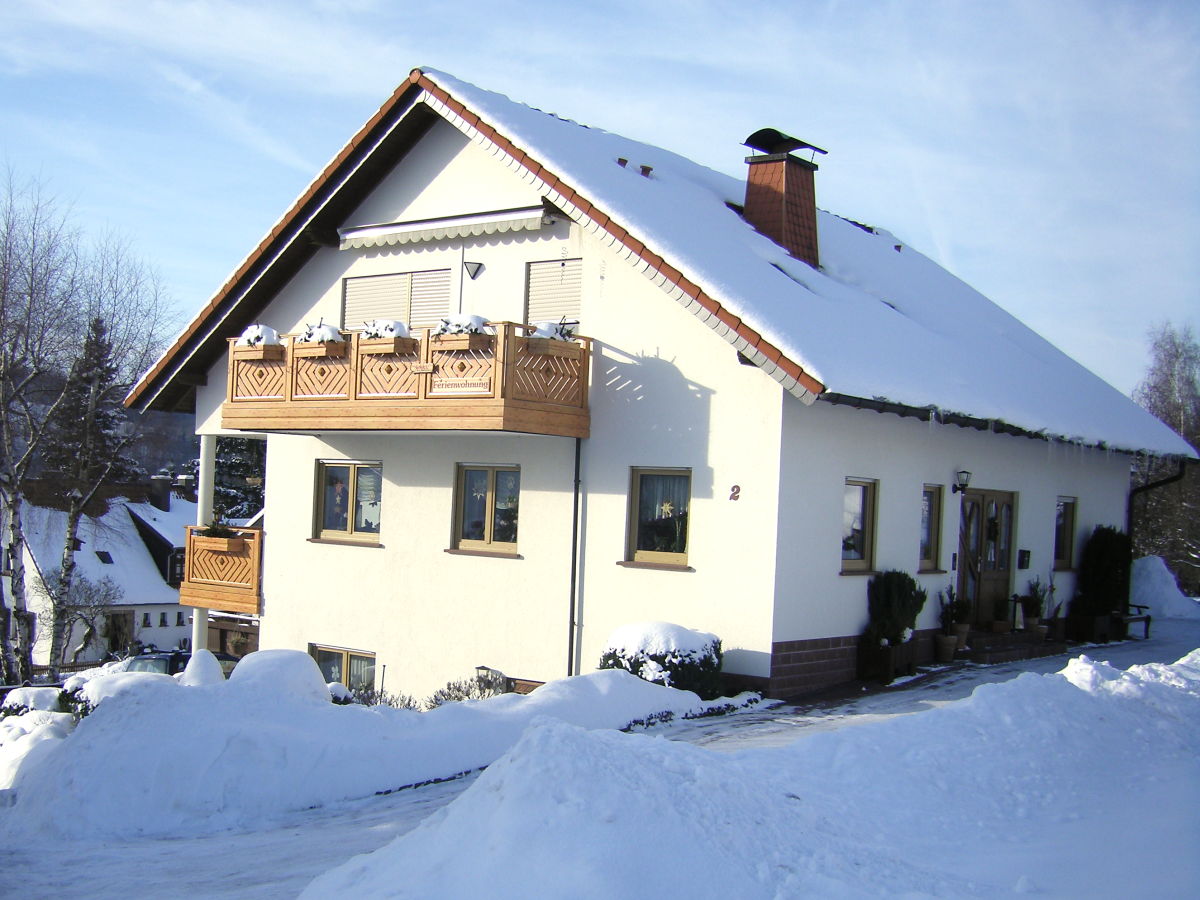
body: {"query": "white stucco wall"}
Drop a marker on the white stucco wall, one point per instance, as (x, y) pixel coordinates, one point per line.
(825, 444)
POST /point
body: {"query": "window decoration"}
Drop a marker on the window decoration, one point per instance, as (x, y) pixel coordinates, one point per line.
(660, 501)
(1064, 533)
(353, 668)
(349, 501)
(931, 527)
(488, 507)
(858, 525)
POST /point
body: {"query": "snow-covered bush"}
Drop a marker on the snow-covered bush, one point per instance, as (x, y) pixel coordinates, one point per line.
(320, 334)
(384, 328)
(257, 335)
(462, 324)
(375, 697)
(32, 699)
(667, 654)
(340, 694)
(555, 331)
(468, 689)
(894, 600)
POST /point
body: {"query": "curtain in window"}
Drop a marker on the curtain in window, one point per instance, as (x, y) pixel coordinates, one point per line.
(336, 493)
(662, 512)
(508, 498)
(367, 491)
(854, 536)
(362, 673)
(474, 504)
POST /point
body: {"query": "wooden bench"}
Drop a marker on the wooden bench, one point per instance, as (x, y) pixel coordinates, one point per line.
(1143, 616)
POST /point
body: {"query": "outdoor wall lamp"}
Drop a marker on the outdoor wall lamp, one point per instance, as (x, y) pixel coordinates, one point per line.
(963, 479)
(473, 270)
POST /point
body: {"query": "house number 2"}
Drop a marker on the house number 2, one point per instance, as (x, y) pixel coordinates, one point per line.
(735, 492)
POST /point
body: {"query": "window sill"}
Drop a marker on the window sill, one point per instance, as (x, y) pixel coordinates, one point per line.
(663, 567)
(495, 554)
(340, 543)
(859, 572)
(1061, 568)
(929, 572)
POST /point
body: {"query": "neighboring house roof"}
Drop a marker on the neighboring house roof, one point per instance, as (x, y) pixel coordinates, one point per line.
(171, 524)
(113, 535)
(878, 321)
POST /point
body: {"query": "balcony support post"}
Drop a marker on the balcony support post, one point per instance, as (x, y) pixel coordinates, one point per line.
(205, 492)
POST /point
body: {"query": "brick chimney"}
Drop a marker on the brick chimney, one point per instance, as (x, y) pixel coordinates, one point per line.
(781, 199)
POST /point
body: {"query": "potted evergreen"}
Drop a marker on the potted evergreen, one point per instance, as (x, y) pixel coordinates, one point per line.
(1034, 605)
(894, 600)
(946, 643)
(1001, 623)
(218, 537)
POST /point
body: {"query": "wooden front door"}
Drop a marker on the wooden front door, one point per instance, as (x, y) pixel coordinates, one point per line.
(985, 553)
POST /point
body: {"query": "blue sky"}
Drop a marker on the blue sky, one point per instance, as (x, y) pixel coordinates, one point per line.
(1045, 152)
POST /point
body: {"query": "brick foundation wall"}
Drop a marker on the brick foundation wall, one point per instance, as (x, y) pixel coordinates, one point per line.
(803, 667)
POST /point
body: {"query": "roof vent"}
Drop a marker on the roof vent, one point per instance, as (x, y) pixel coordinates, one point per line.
(646, 170)
(781, 200)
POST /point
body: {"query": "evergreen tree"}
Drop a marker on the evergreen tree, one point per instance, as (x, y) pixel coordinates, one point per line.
(1166, 520)
(88, 436)
(240, 476)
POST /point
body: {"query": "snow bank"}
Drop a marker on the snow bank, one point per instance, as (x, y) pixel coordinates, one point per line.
(159, 758)
(1154, 586)
(1012, 789)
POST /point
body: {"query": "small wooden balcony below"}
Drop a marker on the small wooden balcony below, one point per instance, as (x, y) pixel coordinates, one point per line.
(223, 573)
(470, 382)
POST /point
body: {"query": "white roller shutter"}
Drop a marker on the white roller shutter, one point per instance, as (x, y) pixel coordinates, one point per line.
(416, 298)
(553, 290)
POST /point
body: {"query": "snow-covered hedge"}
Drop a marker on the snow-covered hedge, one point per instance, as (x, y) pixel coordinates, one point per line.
(667, 654)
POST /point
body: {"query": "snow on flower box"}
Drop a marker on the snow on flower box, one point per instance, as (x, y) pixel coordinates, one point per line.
(388, 345)
(328, 349)
(234, 544)
(463, 341)
(259, 352)
(553, 347)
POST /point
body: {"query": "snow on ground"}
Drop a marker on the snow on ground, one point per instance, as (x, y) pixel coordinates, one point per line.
(972, 782)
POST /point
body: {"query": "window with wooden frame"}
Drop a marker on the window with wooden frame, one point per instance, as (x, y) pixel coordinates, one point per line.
(931, 527)
(1064, 532)
(419, 299)
(659, 503)
(487, 504)
(553, 291)
(349, 500)
(858, 525)
(353, 668)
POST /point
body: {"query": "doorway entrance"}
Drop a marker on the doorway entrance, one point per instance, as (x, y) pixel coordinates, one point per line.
(985, 554)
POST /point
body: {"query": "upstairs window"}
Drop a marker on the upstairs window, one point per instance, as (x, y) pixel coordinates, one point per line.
(419, 299)
(858, 525)
(349, 500)
(553, 291)
(1064, 533)
(659, 504)
(488, 505)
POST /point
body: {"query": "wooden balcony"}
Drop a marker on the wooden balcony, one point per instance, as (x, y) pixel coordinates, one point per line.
(223, 573)
(469, 382)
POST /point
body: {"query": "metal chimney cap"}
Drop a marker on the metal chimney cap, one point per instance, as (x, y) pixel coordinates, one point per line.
(772, 140)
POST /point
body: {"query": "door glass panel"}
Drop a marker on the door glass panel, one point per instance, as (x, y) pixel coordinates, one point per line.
(991, 536)
(1005, 535)
(970, 549)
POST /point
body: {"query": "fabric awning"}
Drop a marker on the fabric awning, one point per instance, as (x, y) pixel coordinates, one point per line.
(501, 221)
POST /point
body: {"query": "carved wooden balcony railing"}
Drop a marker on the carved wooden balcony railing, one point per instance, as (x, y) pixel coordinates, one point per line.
(223, 573)
(471, 382)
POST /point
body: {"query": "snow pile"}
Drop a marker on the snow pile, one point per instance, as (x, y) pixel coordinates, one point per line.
(270, 741)
(1154, 586)
(555, 331)
(384, 328)
(462, 323)
(1014, 789)
(319, 334)
(33, 698)
(202, 668)
(258, 335)
(28, 734)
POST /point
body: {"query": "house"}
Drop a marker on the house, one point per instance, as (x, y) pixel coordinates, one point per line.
(764, 403)
(143, 610)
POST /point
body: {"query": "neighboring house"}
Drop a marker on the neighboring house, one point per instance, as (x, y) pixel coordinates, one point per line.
(771, 403)
(110, 547)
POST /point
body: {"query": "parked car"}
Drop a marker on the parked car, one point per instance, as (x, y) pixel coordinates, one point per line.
(171, 662)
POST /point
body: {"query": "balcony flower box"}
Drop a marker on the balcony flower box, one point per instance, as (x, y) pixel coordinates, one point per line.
(463, 341)
(327, 350)
(391, 345)
(234, 544)
(260, 352)
(551, 347)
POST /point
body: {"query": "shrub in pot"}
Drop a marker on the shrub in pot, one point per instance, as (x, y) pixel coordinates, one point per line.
(1102, 586)
(894, 600)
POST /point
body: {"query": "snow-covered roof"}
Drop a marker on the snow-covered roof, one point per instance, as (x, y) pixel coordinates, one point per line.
(170, 524)
(878, 321)
(114, 535)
